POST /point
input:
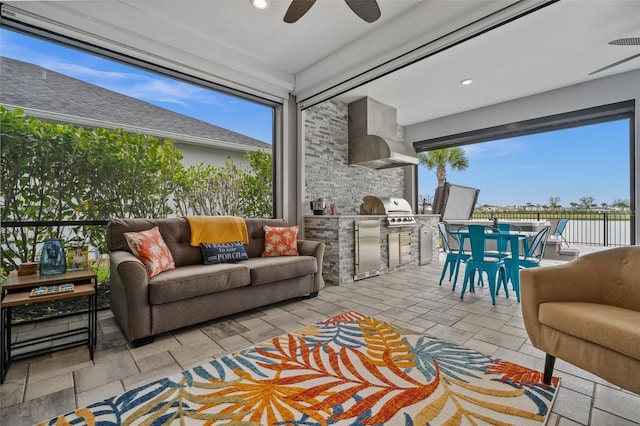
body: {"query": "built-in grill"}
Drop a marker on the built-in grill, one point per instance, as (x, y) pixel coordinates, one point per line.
(397, 210)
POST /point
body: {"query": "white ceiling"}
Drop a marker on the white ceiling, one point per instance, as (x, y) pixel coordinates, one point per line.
(233, 43)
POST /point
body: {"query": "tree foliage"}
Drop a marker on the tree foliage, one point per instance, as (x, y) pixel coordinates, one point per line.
(439, 159)
(228, 190)
(55, 172)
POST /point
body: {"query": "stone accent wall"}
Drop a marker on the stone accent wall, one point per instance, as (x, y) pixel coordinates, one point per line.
(327, 172)
(338, 236)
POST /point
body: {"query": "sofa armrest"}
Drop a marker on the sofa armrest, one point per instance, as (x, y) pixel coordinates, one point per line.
(315, 249)
(129, 294)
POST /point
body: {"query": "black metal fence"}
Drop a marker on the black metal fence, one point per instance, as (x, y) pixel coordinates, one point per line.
(583, 228)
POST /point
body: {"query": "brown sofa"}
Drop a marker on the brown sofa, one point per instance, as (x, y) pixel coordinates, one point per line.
(194, 292)
(587, 312)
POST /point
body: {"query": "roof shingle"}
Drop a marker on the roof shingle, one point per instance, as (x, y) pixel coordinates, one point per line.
(30, 86)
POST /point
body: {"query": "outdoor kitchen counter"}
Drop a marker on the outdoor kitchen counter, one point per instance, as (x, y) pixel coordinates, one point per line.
(337, 232)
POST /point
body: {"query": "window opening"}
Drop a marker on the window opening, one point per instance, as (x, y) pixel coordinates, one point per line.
(582, 168)
(56, 83)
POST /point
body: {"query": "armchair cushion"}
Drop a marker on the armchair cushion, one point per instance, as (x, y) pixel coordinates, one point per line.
(604, 325)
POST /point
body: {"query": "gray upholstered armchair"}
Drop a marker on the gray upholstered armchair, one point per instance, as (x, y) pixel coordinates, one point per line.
(587, 312)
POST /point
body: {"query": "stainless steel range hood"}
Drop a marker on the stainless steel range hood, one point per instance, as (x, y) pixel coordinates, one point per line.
(372, 134)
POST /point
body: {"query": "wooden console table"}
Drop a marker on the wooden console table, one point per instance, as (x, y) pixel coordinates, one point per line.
(16, 291)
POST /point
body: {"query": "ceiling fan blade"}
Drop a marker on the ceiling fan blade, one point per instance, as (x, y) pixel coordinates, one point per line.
(368, 10)
(297, 9)
(630, 41)
(615, 64)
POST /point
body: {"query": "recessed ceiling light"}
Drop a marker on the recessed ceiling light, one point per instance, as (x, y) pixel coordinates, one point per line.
(259, 4)
(466, 81)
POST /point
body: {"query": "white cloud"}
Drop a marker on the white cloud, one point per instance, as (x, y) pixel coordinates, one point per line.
(163, 90)
(498, 148)
(84, 73)
(137, 84)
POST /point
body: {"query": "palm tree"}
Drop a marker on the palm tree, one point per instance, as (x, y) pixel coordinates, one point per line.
(439, 159)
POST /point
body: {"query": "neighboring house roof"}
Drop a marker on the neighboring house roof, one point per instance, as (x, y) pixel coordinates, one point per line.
(50, 95)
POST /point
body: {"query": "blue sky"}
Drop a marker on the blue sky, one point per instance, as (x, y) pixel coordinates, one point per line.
(587, 161)
(591, 161)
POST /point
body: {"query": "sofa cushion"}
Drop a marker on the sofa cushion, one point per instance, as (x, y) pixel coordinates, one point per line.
(605, 325)
(266, 270)
(196, 280)
(174, 230)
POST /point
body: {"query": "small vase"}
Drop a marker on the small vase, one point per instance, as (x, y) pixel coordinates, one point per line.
(54, 257)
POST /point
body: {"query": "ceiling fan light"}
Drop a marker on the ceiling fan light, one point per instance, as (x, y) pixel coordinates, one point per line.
(260, 4)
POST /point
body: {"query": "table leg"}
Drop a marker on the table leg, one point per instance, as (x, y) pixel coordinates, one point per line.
(515, 269)
(5, 342)
(90, 320)
(95, 313)
(457, 268)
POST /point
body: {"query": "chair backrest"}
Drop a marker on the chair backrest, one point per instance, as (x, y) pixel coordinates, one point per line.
(562, 223)
(539, 243)
(477, 238)
(506, 227)
(444, 235)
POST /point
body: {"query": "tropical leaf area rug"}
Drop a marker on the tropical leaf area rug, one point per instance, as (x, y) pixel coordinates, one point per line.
(350, 369)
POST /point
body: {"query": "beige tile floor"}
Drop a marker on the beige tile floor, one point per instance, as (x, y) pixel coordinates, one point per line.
(41, 387)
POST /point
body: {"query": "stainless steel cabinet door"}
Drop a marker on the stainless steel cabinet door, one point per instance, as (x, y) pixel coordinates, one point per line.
(367, 248)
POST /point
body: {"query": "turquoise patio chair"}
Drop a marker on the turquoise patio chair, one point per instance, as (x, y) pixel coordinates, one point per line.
(479, 262)
(562, 223)
(454, 256)
(501, 245)
(530, 259)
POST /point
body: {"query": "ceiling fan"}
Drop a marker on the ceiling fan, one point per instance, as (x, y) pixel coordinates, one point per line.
(631, 41)
(368, 10)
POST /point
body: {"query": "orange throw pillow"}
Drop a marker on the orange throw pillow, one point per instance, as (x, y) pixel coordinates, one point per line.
(280, 241)
(150, 248)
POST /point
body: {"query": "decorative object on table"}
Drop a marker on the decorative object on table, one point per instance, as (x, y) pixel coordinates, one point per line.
(78, 257)
(45, 290)
(345, 370)
(54, 257)
(318, 206)
(28, 268)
